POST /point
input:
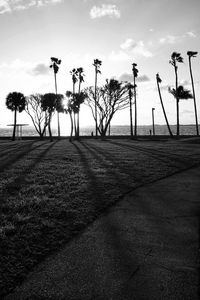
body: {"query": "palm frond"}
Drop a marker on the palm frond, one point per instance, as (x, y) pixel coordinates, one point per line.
(192, 53)
(181, 93)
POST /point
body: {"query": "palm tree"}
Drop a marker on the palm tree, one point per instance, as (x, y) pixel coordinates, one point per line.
(74, 75)
(176, 58)
(69, 110)
(190, 55)
(55, 62)
(181, 93)
(97, 63)
(16, 102)
(49, 104)
(135, 74)
(80, 74)
(130, 93)
(158, 79)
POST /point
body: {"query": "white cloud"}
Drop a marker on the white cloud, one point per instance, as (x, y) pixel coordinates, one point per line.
(191, 34)
(170, 39)
(129, 78)
(104, 10)
(4, 6)
(13, 5)
(135, 48)
(119, 56)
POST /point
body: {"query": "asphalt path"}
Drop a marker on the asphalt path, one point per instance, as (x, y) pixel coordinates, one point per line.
(144, 247)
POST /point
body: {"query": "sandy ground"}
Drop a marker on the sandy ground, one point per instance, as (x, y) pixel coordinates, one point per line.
(144, 247)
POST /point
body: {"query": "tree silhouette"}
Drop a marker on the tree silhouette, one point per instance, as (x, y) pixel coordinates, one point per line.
(49, 103)
(59, 103)
(73, 108)
(80, 75)
(97, 63)
(15, 102)
(37, 114)
(158, 80)
(55, 62)
(130, 94)
(116, 92)
(190, 55)
(180, 93)
(74, 75)
(176, 58)
(69, 110)
(135, 75)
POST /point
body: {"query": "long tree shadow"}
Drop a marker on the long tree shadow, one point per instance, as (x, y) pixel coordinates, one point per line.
(158, 154)
(15, 185)
(15, 155)
(95, 186)
(108, 162)
(5, 150)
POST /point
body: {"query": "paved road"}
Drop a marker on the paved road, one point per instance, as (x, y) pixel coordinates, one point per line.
(145, 247)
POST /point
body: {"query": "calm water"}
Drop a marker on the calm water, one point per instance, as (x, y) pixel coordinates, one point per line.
(115, 130)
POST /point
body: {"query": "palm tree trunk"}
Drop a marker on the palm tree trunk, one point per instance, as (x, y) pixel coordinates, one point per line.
(57, 111)
(95, 96)
(75, 128)
(72, 127)
(195, 107)
(74, 120)
(131, 116)
(78, 130)
(169, 129)
(49, 127)
(15, 122)
(177, 102)
(77, 125)
(135, 129)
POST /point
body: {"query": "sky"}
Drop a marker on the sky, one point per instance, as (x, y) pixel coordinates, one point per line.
(118, 32)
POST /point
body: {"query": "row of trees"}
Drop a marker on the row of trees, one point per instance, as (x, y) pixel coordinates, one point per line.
(104, 101)
(179, 92)
(39, 107)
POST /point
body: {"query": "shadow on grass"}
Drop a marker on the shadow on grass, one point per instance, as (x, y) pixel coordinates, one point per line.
(94, 184)
(157, 154)
(113, 169)
(14, 185)
(16, 154)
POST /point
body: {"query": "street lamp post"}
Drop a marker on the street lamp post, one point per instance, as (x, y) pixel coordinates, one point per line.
(153, 120)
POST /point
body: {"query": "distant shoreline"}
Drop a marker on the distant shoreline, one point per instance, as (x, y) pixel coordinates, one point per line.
(116, 130)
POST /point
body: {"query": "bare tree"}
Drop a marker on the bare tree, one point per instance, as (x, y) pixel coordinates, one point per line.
(109, 99)
(38, 116)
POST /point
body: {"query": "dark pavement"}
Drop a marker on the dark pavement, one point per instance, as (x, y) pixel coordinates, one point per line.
(144, 247)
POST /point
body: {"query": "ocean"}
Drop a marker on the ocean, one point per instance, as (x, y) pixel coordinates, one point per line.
(115, 130)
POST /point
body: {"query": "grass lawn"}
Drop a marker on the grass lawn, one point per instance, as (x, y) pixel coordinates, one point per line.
(50, 191)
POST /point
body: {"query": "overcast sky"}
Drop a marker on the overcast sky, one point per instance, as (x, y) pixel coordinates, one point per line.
(119, 32)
